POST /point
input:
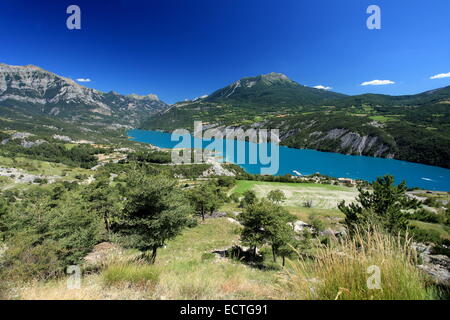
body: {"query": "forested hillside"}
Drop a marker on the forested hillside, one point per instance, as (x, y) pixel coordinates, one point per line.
(413, 128)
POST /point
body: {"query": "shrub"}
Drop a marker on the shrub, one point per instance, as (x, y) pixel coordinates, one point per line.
(432, 203)
(421, 235)
(308, 204)
(234, 197)
(226, 182)
(142, 275)
(25, 259)
(427, 216)
(316, 223)
(341, 272)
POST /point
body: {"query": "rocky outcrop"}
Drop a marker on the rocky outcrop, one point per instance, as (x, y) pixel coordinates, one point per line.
(354, 143)
(437, 266)
(216, 169)
(24, 143)
(19, 176)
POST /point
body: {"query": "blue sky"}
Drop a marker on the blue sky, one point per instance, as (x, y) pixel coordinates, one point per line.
(182, 49)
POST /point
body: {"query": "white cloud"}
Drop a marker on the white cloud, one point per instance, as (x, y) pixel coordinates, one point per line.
(377, 83)
(322, 87)
(84, 80)
(201, 97)
(441, 75)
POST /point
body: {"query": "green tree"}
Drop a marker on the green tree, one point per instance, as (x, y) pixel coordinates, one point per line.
(226, 182)
(205, 198)
(102, 200)
(63, 229)
(276, 196)
(155, 210)
(3, 222)
(73, 228)
(249, 198)
(384, 205)
(267, 223)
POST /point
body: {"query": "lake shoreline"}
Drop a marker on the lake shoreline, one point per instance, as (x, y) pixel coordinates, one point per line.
(309, 162)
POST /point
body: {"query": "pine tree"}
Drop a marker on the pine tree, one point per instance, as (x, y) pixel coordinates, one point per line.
(385, 205)
(155, 210)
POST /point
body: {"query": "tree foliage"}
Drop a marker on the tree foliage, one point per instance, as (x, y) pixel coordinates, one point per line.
(384, 205)
(276, 196)
(249, 198)
(155, 210)
(267, 223)
(206, 198)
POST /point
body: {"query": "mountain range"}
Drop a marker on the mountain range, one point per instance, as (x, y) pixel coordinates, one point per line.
(32, 90)
(411, 127)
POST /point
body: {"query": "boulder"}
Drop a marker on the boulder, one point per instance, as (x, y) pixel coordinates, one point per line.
(437, 266)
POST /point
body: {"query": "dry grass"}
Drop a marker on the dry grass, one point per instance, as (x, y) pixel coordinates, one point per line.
(341, 272)
(91, 289)
(322, 196)
(186, 270)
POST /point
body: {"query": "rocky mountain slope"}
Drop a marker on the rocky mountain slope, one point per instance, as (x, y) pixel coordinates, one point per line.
(32, 90)
(270, 90)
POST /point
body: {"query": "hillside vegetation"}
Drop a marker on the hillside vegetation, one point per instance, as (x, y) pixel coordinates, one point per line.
(413, 128)
(142, 229)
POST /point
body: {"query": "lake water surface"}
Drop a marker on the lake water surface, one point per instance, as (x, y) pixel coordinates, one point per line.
(333, 164)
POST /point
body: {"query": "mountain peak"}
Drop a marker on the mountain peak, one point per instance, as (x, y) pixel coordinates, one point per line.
(269, 90)
(274, 76)
(150, 96)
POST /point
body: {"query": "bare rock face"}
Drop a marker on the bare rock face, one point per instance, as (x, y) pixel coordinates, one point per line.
(102, 254)
(437, 266)
(357, 144)
(216, 169)
(40, 91)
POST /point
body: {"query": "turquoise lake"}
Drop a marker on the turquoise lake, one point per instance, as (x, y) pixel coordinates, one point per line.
(333, 164)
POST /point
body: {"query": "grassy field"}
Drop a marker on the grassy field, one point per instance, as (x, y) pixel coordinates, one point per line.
(43, 168)
(39, 167)
(321, 196)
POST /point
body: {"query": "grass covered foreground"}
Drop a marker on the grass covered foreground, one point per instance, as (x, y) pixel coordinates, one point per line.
(188, 269)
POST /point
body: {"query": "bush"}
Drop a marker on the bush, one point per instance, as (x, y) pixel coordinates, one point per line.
(25, 259)
(440, 249)
(308, 204)
(226, 182)
(341, 272)
(142, 275)
(432, 203)
(316, 223)
(421, 235)
(427, 216)
(234, 197)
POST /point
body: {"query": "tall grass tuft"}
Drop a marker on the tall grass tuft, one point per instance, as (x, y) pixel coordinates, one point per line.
(341, 271)
(131, 275)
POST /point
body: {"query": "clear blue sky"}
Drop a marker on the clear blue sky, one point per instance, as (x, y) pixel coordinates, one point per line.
(186, 48)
